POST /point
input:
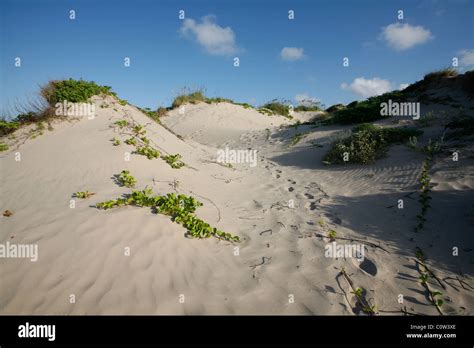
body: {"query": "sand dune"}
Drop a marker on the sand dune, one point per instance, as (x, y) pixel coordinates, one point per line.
(280, 267)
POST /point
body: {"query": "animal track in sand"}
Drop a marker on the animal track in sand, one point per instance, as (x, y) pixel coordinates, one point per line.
(291, 189)
(309, 196)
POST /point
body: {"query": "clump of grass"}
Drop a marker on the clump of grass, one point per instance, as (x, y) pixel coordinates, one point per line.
(439, 74)
(218, 100)
(277, 107)
(244, 105)
(7, 127)
(173, 161)
(115, 142)
(367, 143)
(314, 106)
(123, 102)
(431, 148)
(189, 97)
(125, 179)
(180, 207)
(3, 147)
(265, 111)
(83, 194)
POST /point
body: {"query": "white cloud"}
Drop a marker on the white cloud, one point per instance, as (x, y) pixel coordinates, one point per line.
(292, 53)
(402, 86)
(305, 99)
(368, 88)
(466, 58)
(404, 36)
(213, 38)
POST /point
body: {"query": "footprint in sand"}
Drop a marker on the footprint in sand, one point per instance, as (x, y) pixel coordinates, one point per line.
(291, 189)
(367, 265)
(309, 196)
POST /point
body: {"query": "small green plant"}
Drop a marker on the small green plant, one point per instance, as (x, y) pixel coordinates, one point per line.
(419, 254)
(122, 102)
(331, 234)
(424, 278)
(139, 129)
(358, 292)
(147, 151)
(83, 194)
(122, 123)
(125, 179)
(425, 182)
(173, 161)
(3, 147)
(145, 140)
(131, 141)
(115, 142)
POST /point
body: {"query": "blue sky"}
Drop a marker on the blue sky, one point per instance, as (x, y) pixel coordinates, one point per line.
(279, 58)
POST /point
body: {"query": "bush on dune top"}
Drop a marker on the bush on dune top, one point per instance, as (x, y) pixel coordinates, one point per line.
(367, 110)
(277, 107)
(74, 91)
(189, 97)
(367, 143)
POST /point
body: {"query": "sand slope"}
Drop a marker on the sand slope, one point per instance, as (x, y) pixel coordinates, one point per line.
(280, 258)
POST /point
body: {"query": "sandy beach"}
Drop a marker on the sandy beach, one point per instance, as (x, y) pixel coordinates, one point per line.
(131, 261)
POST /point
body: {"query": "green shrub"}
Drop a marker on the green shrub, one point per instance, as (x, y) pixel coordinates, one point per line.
(74, 91)
(365, 126)
(277, 107)
(28, 117)
(335, 107)
(367, 143)
(3, 147)
(460, 126)
(367, 110)
(362, 147)
(7, 127)
(400, 134)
